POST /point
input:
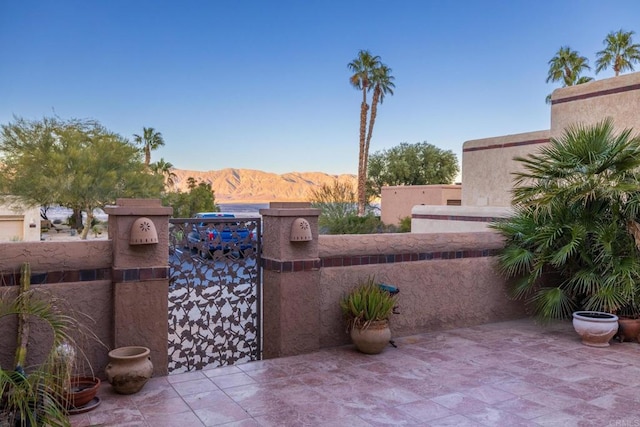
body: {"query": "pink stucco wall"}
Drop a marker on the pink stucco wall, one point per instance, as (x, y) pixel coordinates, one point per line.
(435, 294)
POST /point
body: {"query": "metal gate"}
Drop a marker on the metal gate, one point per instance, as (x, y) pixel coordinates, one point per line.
(214, 292)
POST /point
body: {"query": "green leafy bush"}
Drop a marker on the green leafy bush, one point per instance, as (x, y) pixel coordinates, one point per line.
(577, 204)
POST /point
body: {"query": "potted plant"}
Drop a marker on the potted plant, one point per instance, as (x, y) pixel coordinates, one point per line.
(629, 323)
(367, 309)
(577, 205)
(33, 395)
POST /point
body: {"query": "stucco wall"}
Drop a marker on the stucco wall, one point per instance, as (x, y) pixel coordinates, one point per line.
(90, 302)
(487, 166)
(615, 97)
(434, 294)
(455, 219)
(396, 201)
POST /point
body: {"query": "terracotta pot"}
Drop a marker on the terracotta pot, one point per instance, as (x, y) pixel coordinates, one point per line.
(628, 329)
(129, 369)
(373, 339)
(83, 390)
(596, 328)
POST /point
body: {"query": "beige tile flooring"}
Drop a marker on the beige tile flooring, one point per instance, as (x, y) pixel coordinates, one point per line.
(514, 373)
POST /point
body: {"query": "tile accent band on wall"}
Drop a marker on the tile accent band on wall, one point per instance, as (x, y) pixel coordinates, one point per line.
(596, 94)
(89, 275)
(351, 260)
(507, 145)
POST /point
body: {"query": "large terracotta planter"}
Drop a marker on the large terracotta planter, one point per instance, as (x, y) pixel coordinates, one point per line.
(373, 339)
(595, 328)
(129, 369)
(628, 329)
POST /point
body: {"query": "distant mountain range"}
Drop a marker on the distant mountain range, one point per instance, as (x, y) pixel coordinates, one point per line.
(253, 186)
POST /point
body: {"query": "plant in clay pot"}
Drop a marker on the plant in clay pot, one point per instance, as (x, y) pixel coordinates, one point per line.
(577, 207)
(32, 395)
(629, 323)
(367, 309)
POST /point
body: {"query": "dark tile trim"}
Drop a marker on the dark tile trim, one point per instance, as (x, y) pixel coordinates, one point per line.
(596, 94)
(63, 276)
(456, 217)
(139, 274)
(348, 260)
(507, 145)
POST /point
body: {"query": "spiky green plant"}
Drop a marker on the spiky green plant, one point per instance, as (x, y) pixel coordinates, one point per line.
(367, 303)
(576, 204)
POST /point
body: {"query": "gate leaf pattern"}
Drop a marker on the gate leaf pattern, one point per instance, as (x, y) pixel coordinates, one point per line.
(214, 292)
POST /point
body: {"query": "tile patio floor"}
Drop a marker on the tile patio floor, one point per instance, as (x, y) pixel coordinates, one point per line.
(512, 373)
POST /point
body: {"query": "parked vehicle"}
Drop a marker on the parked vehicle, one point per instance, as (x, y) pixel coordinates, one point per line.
(227, 236)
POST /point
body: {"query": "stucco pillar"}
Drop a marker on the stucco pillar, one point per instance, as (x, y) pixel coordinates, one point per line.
(140, 277)
(291, 282)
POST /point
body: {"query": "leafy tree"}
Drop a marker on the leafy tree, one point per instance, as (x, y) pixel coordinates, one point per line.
(566, 66)
(150, 140)
(577, 204)
(368, 73)
(199, 198)
(411, 164)
(76, 163)
(620, 52)
(165, 169)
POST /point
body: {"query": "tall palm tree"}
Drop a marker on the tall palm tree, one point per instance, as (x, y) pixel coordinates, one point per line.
(566, 66)
(382, 82)
(362, 68)
(620, 52)
(150, 140)
(161, 167)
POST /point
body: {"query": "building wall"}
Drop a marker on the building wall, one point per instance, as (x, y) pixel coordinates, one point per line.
(396, 201)
(487, 164)
(455, 219)
(19, 223)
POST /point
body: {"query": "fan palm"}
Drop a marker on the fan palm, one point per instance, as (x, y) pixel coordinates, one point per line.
(620, 52)
(566, 66)
(150, 140)
(363, 67)
(576, 205)
(382, 82)
(161, 167)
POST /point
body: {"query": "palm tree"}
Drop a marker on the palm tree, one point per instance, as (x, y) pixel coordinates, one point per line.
(362, 68)
(620, 52)
(566, 66)
(577, 204)
(382, 82)
(165, 169)
(150, 140)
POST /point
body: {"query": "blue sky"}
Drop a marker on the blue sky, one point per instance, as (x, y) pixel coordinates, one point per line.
(264, 84)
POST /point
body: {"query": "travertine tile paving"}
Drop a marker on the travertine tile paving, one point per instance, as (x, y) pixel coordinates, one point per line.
(513, 373)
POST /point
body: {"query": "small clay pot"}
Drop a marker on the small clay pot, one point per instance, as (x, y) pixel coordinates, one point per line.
(129, 369)
(82, 391)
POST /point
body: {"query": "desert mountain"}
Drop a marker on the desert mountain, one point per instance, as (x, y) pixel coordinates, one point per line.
(253, 186)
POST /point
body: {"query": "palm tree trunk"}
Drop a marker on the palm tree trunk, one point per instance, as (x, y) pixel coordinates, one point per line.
(365, 160)
(147, 155)
(361, 155)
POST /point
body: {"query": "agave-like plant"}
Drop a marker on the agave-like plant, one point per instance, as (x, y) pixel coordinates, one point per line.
(367, 303)
(576, 205)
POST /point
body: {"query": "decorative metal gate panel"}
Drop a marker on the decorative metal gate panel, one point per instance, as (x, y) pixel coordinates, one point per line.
(214, 292)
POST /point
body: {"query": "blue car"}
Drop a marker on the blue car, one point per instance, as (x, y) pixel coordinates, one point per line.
(207, 237)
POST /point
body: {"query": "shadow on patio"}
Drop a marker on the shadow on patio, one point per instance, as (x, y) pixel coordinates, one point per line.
(514, 373)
